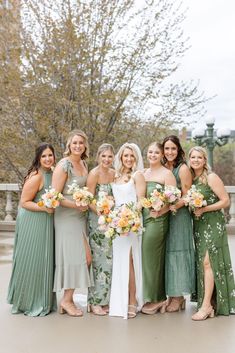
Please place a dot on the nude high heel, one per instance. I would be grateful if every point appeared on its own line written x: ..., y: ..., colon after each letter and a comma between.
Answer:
x: 70, y: 309
x: 176, y: 305
x: 96, y: 309
x: 204, y: 314
x: 161, y: 307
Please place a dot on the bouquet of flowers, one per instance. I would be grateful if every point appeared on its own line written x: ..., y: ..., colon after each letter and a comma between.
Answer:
x: 173, y: 194
x: 82, y: 196
x: 194, y: 199
x: 156, y: 200
x: 120, y: 221
x: 51, y: 198
x: 104, y: 203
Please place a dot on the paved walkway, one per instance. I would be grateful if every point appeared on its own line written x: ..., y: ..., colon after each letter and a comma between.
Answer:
x: 161, y: 333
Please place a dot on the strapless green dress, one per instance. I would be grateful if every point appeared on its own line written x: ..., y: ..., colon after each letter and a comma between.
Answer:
x: 153, y: 253
x: 101, y: 257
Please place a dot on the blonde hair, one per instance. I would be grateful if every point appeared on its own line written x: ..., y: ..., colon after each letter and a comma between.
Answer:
x: 118, y: 159
x: 73, y: 133
x: 102, y: 148
x: 206, y: 167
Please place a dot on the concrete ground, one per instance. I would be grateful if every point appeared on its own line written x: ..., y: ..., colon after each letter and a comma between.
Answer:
x: 161, y: 333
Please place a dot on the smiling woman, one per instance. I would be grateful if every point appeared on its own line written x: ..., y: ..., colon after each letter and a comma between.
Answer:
x: 31, y: 284
x: 99, y: 183
x: 215, y: 279
x: 72, y: 250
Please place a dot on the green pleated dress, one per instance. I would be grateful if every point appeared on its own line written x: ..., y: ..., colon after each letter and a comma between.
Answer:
x: 153, y: 253
x: 210, y: 235
x: 101, y: 257
x: 31, y: 284
x: 180, y: 259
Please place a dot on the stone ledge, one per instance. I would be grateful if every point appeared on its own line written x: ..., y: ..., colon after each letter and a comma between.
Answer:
x: 7, y: 226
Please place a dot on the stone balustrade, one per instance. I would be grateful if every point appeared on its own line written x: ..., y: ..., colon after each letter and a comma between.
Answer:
x: 9, y: 211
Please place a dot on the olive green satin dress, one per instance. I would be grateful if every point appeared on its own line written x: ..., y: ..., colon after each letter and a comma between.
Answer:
x: 153, y: 253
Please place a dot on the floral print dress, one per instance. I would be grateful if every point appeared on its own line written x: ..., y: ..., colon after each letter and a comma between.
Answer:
x: 210, y: 235
x: 101, y: 257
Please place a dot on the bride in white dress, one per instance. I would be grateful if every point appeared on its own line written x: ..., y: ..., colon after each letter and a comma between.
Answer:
x: 126, y: 289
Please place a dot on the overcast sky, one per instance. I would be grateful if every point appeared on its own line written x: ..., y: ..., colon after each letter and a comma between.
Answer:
x: 210, y: 24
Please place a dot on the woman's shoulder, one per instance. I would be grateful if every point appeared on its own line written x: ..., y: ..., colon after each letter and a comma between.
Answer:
x: 213, y: 178
x: 65, y: 164
x: 183, y: 167
x: 166, y: 172
x: 184, y: 170
x: 35, y: 177
x: 138, y: 174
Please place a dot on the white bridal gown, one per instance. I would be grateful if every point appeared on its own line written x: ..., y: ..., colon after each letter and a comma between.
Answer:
x: 125, y: 193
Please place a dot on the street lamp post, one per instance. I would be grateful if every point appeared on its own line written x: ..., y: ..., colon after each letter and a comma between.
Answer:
x: 208, y: 139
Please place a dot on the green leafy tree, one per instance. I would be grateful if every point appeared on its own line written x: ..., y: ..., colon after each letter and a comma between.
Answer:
x: 103, y: 66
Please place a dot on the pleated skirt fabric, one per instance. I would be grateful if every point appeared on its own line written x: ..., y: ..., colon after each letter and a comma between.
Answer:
x: 31, y: 284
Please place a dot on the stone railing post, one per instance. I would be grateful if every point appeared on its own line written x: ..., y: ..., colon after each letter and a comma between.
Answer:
x: 9, y: 189
x: 231, y: 224
x: 9, y: 207
x: 231, y: 190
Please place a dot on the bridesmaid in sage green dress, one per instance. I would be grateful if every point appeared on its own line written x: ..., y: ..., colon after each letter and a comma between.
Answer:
x: 31, y: 284
x: 215, y: 279
x: 154, y: 236
x: 72, y: 252
x: 99, y: 180
x: 180, y: 262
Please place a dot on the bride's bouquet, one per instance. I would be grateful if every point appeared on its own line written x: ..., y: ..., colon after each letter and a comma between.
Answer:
x: 51, y: 198
x: 157, y: 199
x: 194, y: 198
x: 104, y: 203
x: 121, y: 221
x: 81, y: 196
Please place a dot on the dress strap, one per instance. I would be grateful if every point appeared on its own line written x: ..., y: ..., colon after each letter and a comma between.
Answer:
x: 66, y: 165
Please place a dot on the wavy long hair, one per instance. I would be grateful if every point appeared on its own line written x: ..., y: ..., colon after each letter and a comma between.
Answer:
x: 119, y: 168
x: 180, y: 152
x: 36, y: 161
x: 71, y: 135
x: 206, y: 168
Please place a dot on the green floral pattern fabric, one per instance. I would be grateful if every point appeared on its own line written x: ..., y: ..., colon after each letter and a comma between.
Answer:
x: 101, y: 257
x: 210, y: 235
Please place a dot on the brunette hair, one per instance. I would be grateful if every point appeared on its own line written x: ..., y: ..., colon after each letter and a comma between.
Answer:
x: 180, y: 155
x: 73, y: 133
x: 206, y: 167
x: 36, y: 161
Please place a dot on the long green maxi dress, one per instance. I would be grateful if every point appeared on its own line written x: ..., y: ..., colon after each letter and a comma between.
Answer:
x: 180, y: 259
x: 101, y: 257
x: 31, y: 284
x: 71, y: 270
x: 210, y: 235
x: 153, y: 253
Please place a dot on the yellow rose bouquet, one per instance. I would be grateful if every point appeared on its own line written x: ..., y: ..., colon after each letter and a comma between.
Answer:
x: 51, y: 199
x: 104, y: 203
x: 194, y: 199
x: 81, y: 196
x: 120, y: 222
x: 157, y: 199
